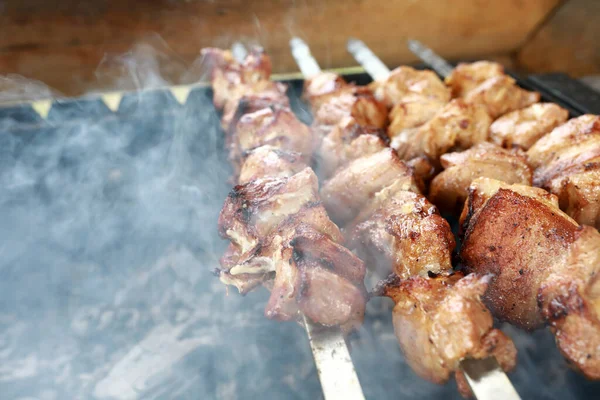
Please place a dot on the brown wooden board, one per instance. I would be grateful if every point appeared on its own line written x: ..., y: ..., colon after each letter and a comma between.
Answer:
x: 62, y: 44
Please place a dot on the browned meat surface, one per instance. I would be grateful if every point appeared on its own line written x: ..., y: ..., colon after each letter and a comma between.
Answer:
x: 403, y: 234
x: 232, y: 80
x: 346, y: 142
x: 282, y: 237
x: 467, y: 76
x: 411, y: 113
x: 406, y: 82
x: 321, y: 88
x: 274, y: 126
x: 522, y: 128
x: 544, y: 265
x: 501, y: 95
x: 567, y: 162
x: 450, y: 188
x: 356, y: 183
x: 270, y: 95
x: 272, y: 162
x: 456, y: 125
x: 440, y: 321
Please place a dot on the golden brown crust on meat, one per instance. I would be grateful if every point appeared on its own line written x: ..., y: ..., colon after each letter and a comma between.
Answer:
x: 457, y: 125
x: 569, y: 300
x: 567, y: 161
x: 467, y: 76
x: 405, y: 82
x: 282, y: 237
x: 516, y: 239
x: 501, y: 95
x: 406, y: 235
x: 450, y: 188
x: 522, y: 128
x: 274, y: 126
x: 270, y: 162
x: 440, y: 321
x: 354, y: 184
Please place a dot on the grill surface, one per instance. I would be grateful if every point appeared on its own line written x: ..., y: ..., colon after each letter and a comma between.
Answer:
x: 105, y: 271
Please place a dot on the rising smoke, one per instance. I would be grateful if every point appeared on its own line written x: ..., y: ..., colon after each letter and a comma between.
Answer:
x: 107, y: 243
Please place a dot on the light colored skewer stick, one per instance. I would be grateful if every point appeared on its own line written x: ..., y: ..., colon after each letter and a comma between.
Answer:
x: 306, y: 62
x: 337, y: 375
x: 239, y: 51
x: 369, y: 61
x: 486, y: 378
x: 429, y: 57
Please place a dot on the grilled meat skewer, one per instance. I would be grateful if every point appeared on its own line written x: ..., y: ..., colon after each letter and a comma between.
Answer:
x: 545, y: 266
x: 274, y: 220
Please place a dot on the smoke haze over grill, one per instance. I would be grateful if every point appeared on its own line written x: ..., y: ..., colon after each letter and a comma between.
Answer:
x: 107, y: 243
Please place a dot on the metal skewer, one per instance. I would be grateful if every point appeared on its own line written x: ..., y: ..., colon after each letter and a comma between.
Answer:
x: 337, y: 375
x: 485, y: 377
x: 429, y: 57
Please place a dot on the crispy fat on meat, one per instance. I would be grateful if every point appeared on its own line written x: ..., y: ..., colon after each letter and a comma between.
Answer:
x: 406, y: 82
x: 403, y: 234
x: 545, y: 269
x: 568, y: 161
x: 274, y: 126
x: 501, y: 95
x: 457, y: 125
x: 522, y: 128
x: 467, y: 76
x: 450, y: 188
x: 355, y: 184
x: 439, y: 321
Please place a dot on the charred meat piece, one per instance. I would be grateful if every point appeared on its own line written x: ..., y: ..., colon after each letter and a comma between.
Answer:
x: 281, y: 237
x: 439, y: 321
x: 407, y: 82
x: 355, y: 184
x: 501, y: 95
x: 522, y: 128
x: 545, y: 268
x: 270, y: 162
x: 457, y: 125
x: 567, y: 161
x: 246, y: 103
x: 274, y: 126
x: 467, y: 76
x: 403, y: 234
x: 450, y: 188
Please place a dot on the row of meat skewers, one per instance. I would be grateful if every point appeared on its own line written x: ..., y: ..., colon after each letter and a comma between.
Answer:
x: 476, y: 138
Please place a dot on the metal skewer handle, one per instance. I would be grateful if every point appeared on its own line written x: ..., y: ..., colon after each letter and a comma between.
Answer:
x: 369, y: 61
x: 487, y: 380
x: 306, y: 62
x: 429, y: 57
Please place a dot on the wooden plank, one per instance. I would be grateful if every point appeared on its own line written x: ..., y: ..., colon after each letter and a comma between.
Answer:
x: 568, y: 42
x: 63, y: 44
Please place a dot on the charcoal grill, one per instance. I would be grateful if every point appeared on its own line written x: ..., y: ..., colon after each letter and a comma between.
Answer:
x: 140, y: 315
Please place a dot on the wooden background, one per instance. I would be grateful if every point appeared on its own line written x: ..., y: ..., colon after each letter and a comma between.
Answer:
x: 63, y: 44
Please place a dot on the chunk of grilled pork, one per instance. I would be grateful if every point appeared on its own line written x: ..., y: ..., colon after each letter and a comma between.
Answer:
x: 545, y: 266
